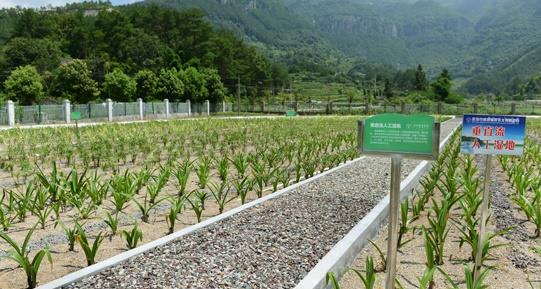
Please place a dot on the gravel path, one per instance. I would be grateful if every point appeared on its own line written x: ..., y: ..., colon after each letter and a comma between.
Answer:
x: 272, y: 245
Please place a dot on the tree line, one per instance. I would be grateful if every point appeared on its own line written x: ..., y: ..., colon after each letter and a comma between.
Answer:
x: 409, y: 85
x: 91, y: 53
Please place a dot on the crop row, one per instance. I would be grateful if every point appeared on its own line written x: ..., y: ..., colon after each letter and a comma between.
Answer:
x: 157, y: 169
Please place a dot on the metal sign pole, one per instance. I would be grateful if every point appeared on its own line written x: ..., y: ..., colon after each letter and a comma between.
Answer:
x: 392, y: 246
x: 483, y: 219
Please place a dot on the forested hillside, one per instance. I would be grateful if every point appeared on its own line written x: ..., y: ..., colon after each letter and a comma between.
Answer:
x: 86, y: 52
x: 268, y: 24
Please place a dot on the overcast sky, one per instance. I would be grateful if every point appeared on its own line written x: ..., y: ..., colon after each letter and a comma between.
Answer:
x: 40, y: 3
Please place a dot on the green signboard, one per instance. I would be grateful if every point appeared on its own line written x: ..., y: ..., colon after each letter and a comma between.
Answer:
x: 291, y: 113
x: 400, y: 134
x: 76, y: 115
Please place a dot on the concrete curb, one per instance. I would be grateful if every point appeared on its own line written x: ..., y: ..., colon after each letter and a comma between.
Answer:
x: 346, y: 250
x: 98, y: 267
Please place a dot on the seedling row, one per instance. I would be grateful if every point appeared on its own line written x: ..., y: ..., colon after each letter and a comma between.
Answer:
x: 74, y: 198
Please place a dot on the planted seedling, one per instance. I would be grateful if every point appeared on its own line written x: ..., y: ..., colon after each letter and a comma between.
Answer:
x: 383, y: 265
x: 146, y: 206
x: 405, y: 222
x: 221, y: 194
x: 203, y: 172
x: 369, y: 278
x: 438, y: 229
x: 427, y: 280
x: 471, y: 283
x: 6, y: 220
x: 53, y: 183
x: 182, y: 173
x: 112, y: 222
x: 197, y: 208
x: 242, y: 186
x: 133, y: 236
x: 240, y: 161
x: 331, y: 279
x: 89, y: 250
x: 71, y: 235
x: 20, y: 254
x: 176, y: 207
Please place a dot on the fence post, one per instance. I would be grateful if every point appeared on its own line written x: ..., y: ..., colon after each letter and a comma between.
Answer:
x: 263, y: 107
x: 189, y: 105
x: 223, y: 106
x: 475, y: 108
x: 207, y: 107
x: 67, y: 111
x: 439, y: 107
x: 40, y: 115
x: 141, y: 108
x: 513, y: 108
x: 11, y: 113
x: 366, y: 108
x: 109, y: 109
x: 403, y: 108
x: 166, y: 103
x: 297, y: 106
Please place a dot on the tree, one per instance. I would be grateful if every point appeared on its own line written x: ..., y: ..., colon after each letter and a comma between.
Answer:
x: 146, y: 83
x: 421, y: 83
x: 25, y: 85
x: 44, y: 54
x: 405, y: 80
x: 388, y: 90
x: 442, y: 86
x: 170, y: 85
x: 214, y: 85
x: 72, y: 80
x: 533, y: 87
x: 119, y: 86
x: 194, y: 85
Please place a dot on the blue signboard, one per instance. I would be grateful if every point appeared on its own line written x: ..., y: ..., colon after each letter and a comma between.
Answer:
x: 493, y: 134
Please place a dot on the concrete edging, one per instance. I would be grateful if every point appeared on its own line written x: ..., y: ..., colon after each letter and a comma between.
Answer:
x: 346, y: 250
x: 103, y: 265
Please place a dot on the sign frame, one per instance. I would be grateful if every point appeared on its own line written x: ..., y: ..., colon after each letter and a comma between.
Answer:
x: 436, y: 129
x: 75, y: 115
x: 291, y: 113
x: 498, y: 129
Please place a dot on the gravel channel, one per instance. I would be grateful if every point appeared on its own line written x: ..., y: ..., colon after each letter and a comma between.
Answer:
x: 272, y: 245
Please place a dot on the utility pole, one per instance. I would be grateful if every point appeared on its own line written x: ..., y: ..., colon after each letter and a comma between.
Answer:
x: 238, y: 95
x: 375, y: 86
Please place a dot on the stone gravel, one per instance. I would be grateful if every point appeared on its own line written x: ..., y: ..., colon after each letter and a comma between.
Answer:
x: 272, y: 245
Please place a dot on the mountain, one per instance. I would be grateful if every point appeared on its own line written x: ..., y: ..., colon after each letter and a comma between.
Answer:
x: 487, y: 45
x: 270, y: 25
x: 507, y: 45
x: 484, y: 43
x: 401, y: 34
